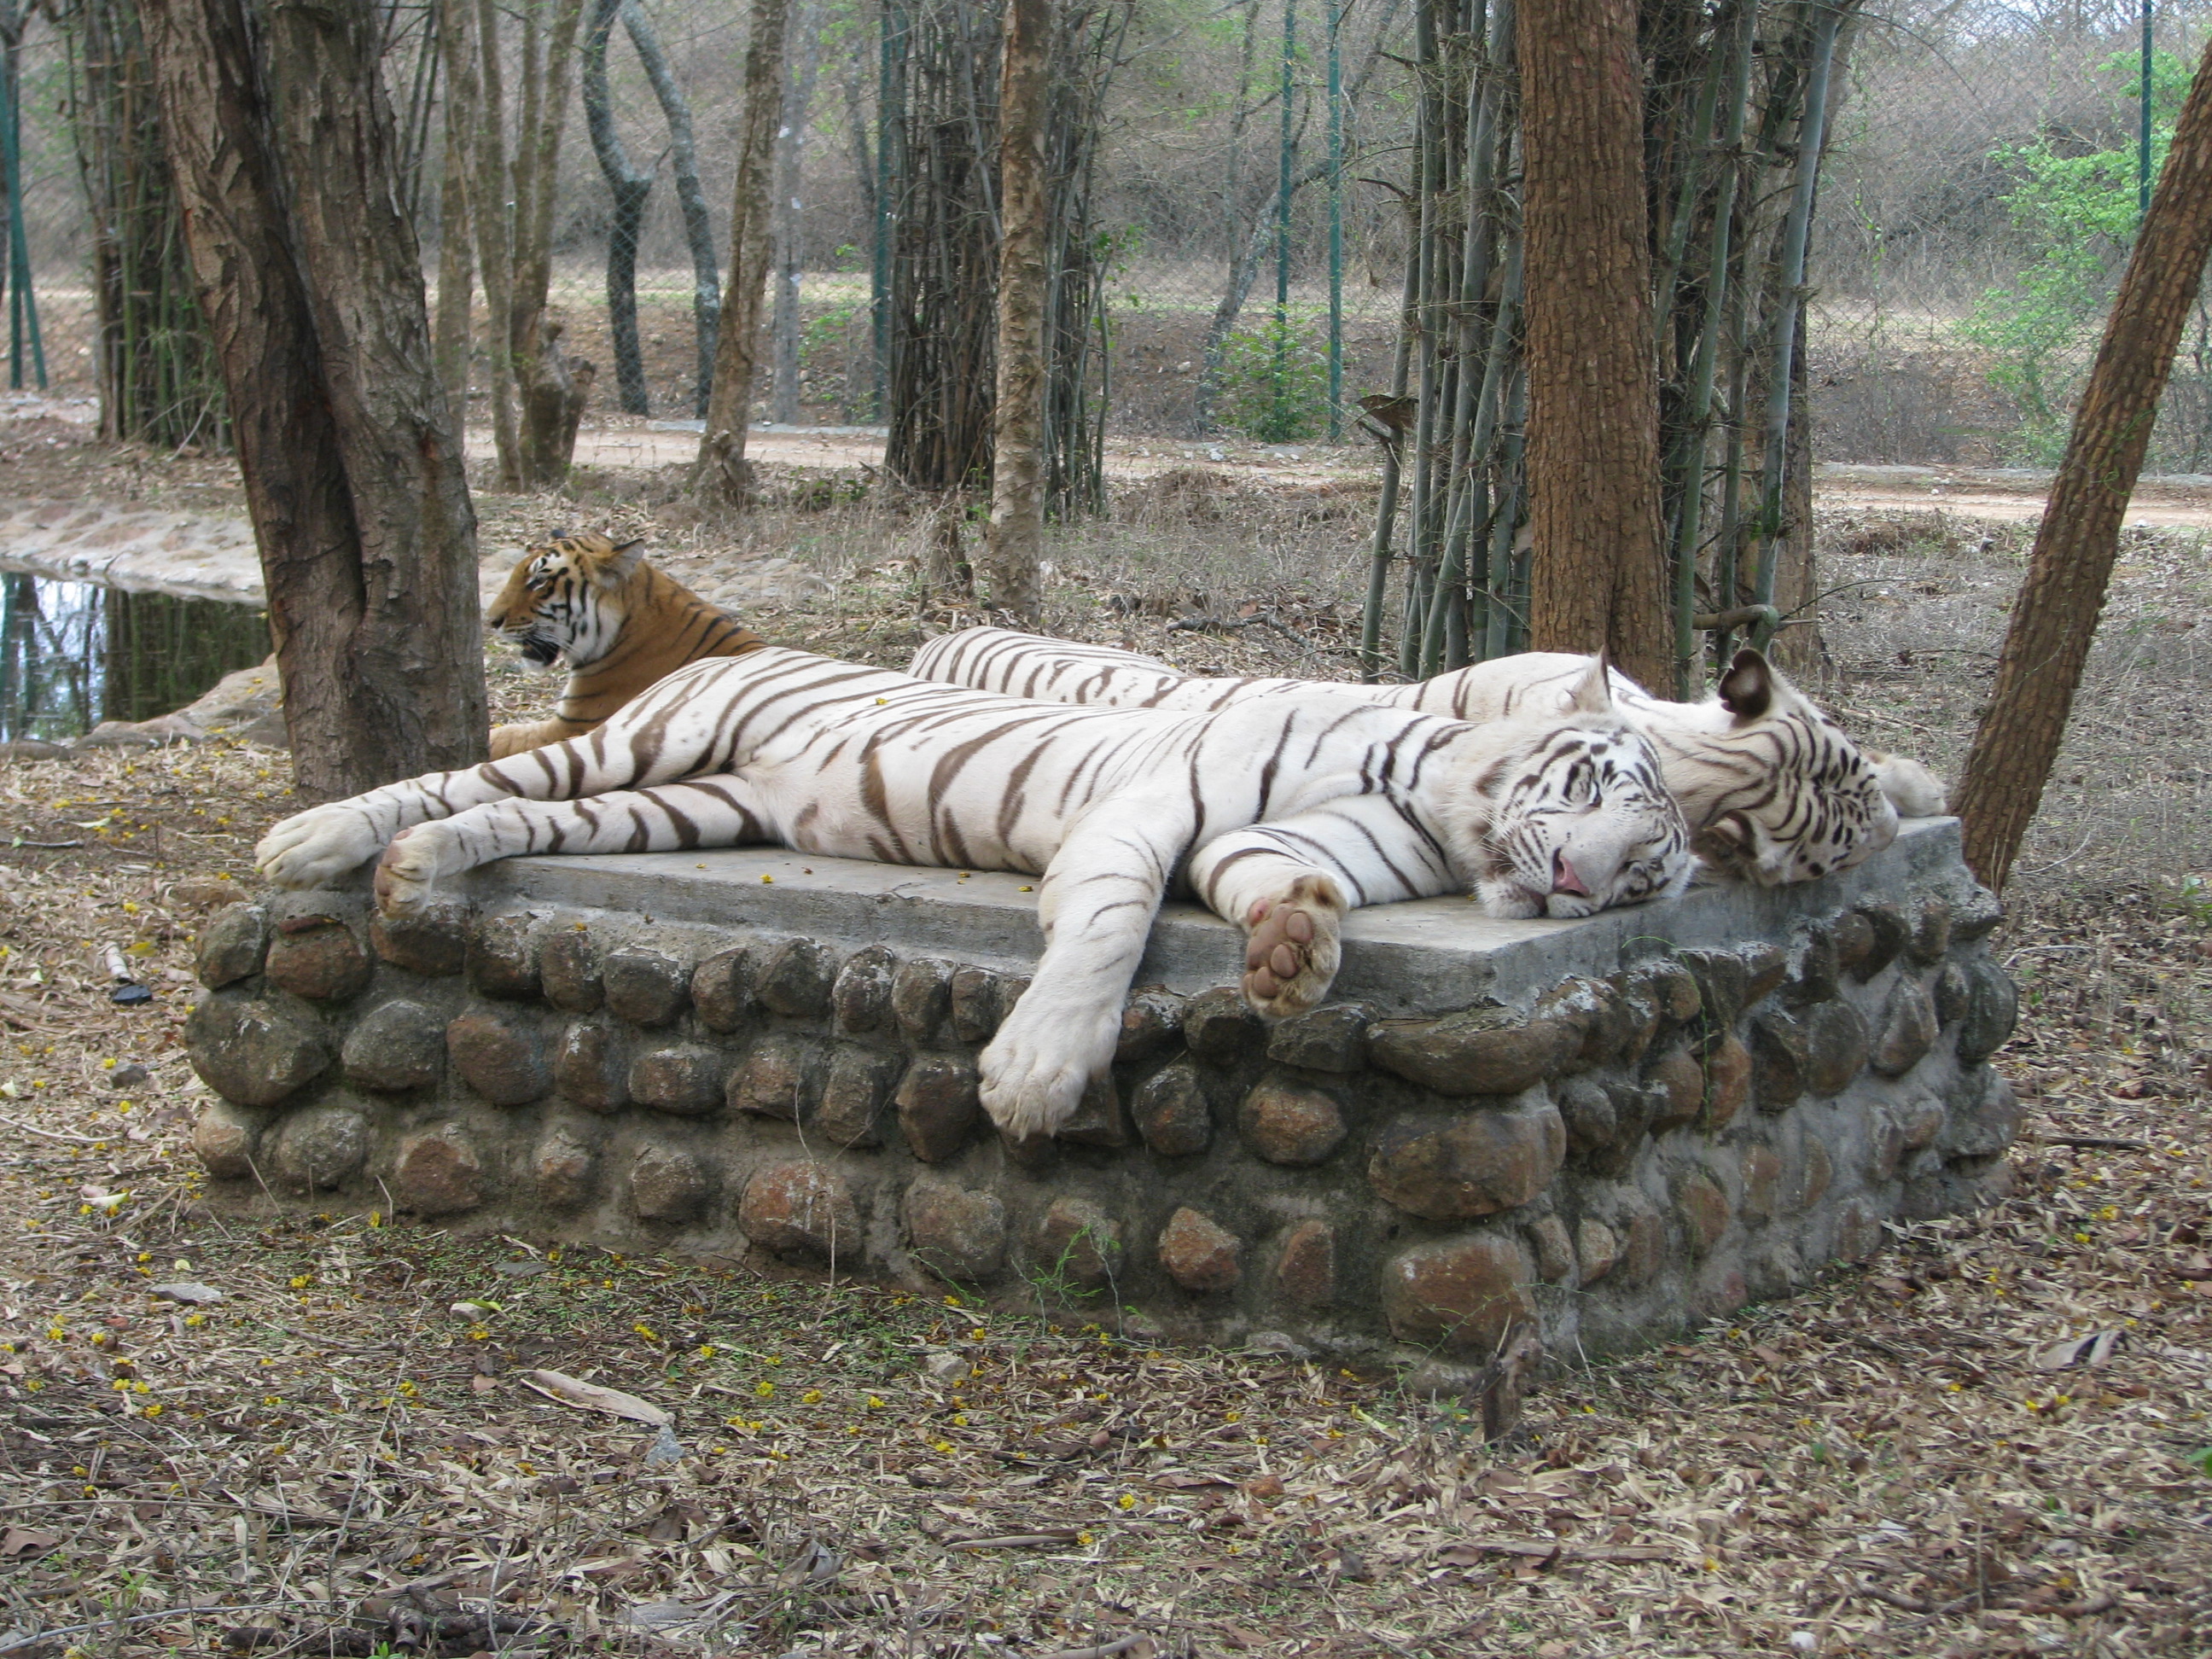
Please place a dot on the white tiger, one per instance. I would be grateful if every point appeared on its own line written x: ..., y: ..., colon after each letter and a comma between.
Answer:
x: 1773, y: 790
x: 1278, y: 814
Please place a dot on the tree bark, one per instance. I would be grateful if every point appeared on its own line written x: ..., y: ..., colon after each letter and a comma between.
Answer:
x: 1013, y: 540
x: 554, y: 388
x: 2054, y: 620
x: 630, y: 187
x: 683, y: 163
x: 309, y: 275
x: 494, y: 217
x: 721, y: 473
x: 789, y: 217
x: 1599, y: 579
x: 456, y: 268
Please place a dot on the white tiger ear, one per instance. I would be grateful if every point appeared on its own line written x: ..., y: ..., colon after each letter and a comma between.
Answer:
x: 1593, y: 693
x: 1747, y: 689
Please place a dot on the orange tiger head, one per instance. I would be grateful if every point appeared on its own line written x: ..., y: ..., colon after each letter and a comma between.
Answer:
x: 564, y: 602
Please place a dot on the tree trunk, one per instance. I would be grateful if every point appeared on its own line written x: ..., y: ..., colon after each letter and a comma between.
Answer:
x: 456, y: 269
x: 554, y: 387
x: 1013, y: 541
x: 1797, y: 650
x: 2054, y: 620
x: 494, y: 216
x: 630, y: 188
x: 683, y: 163
x: 1599, y: 574
x: 310, y: 279
x: 721, y: 473
x: 790, y: 219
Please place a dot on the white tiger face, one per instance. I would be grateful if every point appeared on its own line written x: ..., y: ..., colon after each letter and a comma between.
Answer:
x: 1577, y: 819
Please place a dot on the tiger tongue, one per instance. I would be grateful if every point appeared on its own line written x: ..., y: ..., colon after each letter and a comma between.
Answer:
x: 1563, y: 877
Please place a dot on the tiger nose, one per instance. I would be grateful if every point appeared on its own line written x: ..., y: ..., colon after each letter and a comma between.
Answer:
x: 1564, y: 877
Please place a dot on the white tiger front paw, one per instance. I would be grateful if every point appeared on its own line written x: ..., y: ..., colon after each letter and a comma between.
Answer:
x: 1507, y: 900
x: 1035, y: 1072
x: 314, y: 848
x: 411, y: 867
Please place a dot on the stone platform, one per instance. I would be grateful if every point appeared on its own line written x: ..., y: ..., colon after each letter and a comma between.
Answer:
x: 1618, y: 1126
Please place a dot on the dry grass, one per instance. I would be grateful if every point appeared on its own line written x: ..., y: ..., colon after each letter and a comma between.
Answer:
x: 338, y: 1454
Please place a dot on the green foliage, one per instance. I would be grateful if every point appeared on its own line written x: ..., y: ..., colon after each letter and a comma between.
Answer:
x: 2080, y: 208
x: 1274, y: 383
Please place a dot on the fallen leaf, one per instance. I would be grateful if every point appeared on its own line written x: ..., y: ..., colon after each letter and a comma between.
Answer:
x: 591, y: 1397
x: 23, y: 1541
x: 191, y: 1294
x: 2092, y: 1350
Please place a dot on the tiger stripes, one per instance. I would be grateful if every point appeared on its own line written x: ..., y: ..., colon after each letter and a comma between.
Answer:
x: 1773, y: 790
x: 618, y: 624
x: 1278, y: 813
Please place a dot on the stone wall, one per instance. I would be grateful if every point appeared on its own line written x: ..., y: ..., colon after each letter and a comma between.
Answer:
x: 1619, y: 1126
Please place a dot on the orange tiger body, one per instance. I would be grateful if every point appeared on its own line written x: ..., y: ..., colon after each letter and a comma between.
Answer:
x: 614, y: 621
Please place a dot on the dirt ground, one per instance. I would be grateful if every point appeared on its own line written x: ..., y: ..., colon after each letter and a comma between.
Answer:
x: 343, y: 1454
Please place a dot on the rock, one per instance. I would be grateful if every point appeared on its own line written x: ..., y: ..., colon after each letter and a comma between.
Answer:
x: 591, y: 1067
x: 1723, y: 984
x: 1482, y: 1051
x: 502, y: 957
x: 1171, y: 1111
x: 1985, y: 1114
x: 938, y: 1106
x: 1455, y: 1167
x: 1077, y: 1241
x: 231, y: 944
x: 1624, y: 1036
x: 1781, y: 1058
x: 317, y: 957
x: 1151, y: 1020
x: 1950, y: 994
x: 1836, y: 1047
x: 1704, y: 1208
x: 501, y: 1060
x: 1822, y: 960
x: 1931, y: 933
x: 1726, y: 1083
x: 685, y: 1080
x: 854, y: 1091
x: 921, y: 998
x: 1596, y: 1251
x: 432, y: 941
x: 1587, y: 1110
x: 722, y: 989
x: 566, y: 1169
x: 1330, y: 1038
x: 667, y: 1184
x: 1555, y: 1250
x: 569, y: 971
x: 802, y: 1210
x: 1678, y: 1084
x: 1200, y: 1255
x: 1886, y: 1150
x: 977, y: 1000
x: 1643, y: 1238
x: 1908, y: 1029
x: 796, y: 979
x: 1762, y: 1180
x: 957, y: 1234
x: 1722, y: 1290
x: 1286, y: 1123
x: 1098, y: 1119
x: 644, y: 987
x: 399, y: 1045
x: 33, y: 749
x: 437, y: 1173
x: 1810, y: 1177
x: 860, y: 996
x: 1220, y: 1028
x: 772, y: 1083
x: 1992, y: 1007
x: 1919, y: 1119
x: 212, y: 894
x: 319, y: 1146
x: 1765, y: 967
x: 1858, y: 1233
x: 1634, y: 1108
x: 223, y: 1141
x: 1671, y: 987
x: 1974, y: 914
x: 1305, y: 1268
x: 1887, y: 930
x: 254, y: 1051
x: 1457, y: 1294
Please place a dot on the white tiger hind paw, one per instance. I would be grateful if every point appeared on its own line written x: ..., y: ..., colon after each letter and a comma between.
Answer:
x: 314, y: 848
x: 1292, y: 951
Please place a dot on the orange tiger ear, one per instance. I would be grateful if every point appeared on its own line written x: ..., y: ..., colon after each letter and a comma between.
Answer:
x: 621, y: 563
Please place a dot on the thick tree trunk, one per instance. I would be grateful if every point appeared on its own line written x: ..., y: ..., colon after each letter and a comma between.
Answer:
x: 790, y: 217
x: 309, y: 277
x: 1013, y: 541
x: 1599, y: 579
x: 721, y: 473
x: 456, y: 268
x: 2054, y: 620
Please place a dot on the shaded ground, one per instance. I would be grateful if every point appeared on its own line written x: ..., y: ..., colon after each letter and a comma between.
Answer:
x: 343, y: 1450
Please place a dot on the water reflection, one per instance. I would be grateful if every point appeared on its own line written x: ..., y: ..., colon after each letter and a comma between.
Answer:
x: 73, y: 654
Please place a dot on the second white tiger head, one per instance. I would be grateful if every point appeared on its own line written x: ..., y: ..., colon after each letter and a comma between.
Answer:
x: 1569, y: 816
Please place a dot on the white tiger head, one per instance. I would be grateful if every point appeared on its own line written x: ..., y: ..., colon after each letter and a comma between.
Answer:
x: 1568, y: 815
x: 1776, y: 790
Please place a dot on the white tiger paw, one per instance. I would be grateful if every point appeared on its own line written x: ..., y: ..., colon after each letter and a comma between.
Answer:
x: 1507, y: 900
x: 1035, y: 1072
x: 314, y: 848
x: 411, y: 867
x: 1292, y: 951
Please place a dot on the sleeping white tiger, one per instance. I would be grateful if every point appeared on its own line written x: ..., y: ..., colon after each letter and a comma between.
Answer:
x: 1280, y: 814
x: 1774, y: 792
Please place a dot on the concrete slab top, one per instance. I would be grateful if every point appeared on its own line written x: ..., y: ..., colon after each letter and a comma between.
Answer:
x: 1424, y: 955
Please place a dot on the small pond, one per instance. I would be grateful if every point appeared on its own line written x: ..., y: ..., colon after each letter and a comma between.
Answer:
x: 73, y: 654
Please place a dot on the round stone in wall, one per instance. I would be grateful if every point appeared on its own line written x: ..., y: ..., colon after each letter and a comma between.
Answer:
x: 1199, y: 1254
x: 501, y: 1060
x: 667, y: 1184
x: 399, y: 1045
x: 1458, y: 1294
x: 958, y: 1234
x: 319, y: 1146
x: 1171, y: 1113
x: 317, y: 957
x: 255, y: 1051
x: 1285, y: 1123
x: 1077, y: 1238
x: 231, y: 944
x: 223, y: 1140
x: 802, y: 1210
x: 1458, y: 1166
x: 438, y: 1173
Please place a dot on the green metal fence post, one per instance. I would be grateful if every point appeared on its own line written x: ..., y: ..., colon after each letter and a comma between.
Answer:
x: 1336, y: 223
x: 1283, y: 208
x: 22, y: 304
